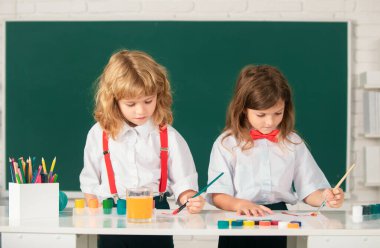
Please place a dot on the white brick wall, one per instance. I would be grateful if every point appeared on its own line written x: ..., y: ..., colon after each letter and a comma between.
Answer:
x: 364, y: 14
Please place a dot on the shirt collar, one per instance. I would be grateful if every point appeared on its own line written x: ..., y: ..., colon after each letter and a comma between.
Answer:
x: 142, y: 130
x: 145, y: 129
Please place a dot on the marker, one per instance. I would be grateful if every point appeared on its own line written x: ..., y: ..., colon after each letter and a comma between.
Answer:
x: 197, y: 194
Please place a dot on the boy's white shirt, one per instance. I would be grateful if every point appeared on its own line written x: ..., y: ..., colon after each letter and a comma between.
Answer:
x: 264, y: 173
x: 135, y: 158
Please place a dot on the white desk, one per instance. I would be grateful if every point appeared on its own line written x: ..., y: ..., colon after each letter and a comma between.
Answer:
x: 71, y: 230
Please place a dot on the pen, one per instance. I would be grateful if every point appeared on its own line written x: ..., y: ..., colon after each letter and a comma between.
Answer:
x: 337, y: 186
x: 197, y: 194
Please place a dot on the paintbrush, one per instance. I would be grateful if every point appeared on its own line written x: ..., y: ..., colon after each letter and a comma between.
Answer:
x: 197, y: 194
x: 336, y: 186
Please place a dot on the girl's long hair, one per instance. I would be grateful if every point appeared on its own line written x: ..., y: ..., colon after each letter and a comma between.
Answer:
x: 258, y: 87
x: 131, y: 74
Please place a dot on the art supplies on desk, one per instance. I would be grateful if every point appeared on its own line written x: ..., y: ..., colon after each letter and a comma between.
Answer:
x: 365, y: 212
x: 197, y: 194
x: 33, y: 193
x: 22, y: 172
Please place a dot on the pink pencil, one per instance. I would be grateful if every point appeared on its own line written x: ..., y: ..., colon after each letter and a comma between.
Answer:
x: 38, y: 174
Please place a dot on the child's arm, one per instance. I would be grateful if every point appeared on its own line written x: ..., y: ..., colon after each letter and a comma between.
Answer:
x: 88, y: 197
x: 334, y: 198
x: 241, y: 206
x: 195, y: 205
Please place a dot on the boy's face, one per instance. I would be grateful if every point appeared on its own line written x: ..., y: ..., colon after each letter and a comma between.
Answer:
x: 267, y: 120
x: 138, y: 110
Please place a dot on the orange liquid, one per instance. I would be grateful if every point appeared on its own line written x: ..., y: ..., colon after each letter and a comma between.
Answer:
x: 139, y: 208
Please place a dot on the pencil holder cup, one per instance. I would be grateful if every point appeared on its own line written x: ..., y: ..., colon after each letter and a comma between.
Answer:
x: 34, y: 200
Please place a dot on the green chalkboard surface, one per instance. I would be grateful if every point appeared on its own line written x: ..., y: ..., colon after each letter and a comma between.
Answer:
x: 51, y: 67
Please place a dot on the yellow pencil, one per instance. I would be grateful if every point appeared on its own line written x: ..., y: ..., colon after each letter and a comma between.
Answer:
x: 44, y: 165
x: 52, y: 165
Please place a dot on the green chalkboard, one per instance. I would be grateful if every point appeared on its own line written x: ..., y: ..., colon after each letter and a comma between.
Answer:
x: 51, y: 67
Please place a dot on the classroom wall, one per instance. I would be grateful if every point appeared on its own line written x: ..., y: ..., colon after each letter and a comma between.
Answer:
x: 365, y: 47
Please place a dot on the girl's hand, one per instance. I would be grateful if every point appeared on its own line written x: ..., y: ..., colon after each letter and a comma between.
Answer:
x: 244, y: 207
x: 195, y: 205
x: 334, y: 197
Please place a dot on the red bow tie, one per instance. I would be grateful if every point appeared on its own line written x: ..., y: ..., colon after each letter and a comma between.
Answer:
x: 270, y: 136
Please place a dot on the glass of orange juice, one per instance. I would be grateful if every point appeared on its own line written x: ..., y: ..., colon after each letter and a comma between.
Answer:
x: 140, y: 204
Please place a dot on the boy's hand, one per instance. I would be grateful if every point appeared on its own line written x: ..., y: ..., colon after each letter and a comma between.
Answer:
x: 248, y: 208
x: 334, y: 197
x: 195, y: 205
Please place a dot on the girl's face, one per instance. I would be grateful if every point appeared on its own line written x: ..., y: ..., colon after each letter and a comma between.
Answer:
x: 265, y: 121
x: 138, y: 110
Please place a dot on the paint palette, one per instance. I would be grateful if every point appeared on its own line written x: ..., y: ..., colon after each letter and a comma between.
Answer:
x: 241, y: 223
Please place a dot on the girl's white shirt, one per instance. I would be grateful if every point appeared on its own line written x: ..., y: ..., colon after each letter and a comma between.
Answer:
x: 264, y: 174
x: 135, y: 158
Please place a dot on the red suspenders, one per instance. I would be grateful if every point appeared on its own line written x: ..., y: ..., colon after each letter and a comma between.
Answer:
x: 164, y: 159
x: 111, y: 176
x: 163, y: 156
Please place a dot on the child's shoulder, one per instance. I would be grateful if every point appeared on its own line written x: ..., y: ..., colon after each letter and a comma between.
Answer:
x: 226, y: 139
x: 95, y: 129
x: 294, y: 138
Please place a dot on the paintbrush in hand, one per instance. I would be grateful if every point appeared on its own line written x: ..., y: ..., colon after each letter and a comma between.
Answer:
x: 197, y: 194
x: 336, y: 186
